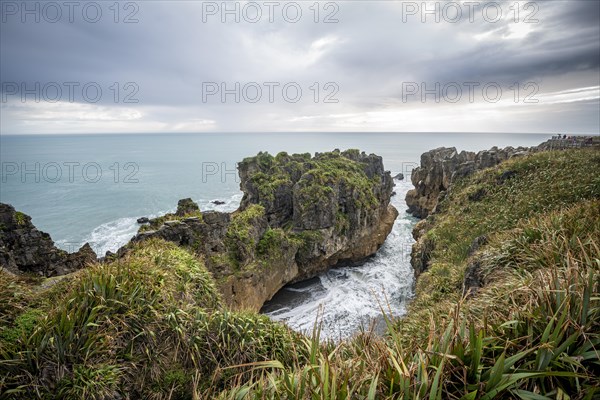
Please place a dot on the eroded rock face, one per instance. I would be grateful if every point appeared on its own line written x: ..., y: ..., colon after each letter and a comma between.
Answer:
x: 442, y: 166
x: 433, y: 179
x: 299, y: 216
x: 25, y: 249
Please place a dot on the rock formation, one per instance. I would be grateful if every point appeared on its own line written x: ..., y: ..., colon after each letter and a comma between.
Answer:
x: 25, y: 249
x: 299, y: 216
x: 440, y: 167
x: 438, y: 170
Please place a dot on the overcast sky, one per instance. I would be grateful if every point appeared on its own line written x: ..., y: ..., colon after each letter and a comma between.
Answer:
x: 296, y: 66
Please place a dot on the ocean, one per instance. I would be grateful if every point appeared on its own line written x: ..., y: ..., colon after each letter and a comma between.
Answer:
x: 92, y: 188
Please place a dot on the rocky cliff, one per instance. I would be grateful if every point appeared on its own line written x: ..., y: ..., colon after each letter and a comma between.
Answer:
x: 440, y: 167
x: 25, y: 249
x: 299, y: 216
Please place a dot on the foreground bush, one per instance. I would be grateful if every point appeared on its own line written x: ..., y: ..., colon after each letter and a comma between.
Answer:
x: 148, y: 326
x: 546, y: 349
x: 152, y: 325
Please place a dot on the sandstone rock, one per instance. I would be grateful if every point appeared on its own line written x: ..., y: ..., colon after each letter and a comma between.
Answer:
x: 421, y: 254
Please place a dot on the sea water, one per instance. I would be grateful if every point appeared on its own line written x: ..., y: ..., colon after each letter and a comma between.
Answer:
x: 92, y: 188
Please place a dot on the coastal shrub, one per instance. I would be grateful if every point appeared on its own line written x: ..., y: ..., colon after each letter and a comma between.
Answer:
x: 275, y: 244
x: 21, y: 218
x: 539, y: 185
x: 157, y: 222
x: 244, y: 232
x: 143, y: 325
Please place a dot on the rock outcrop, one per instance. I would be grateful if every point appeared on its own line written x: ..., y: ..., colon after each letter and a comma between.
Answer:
x: 186, y: 207
x: 299, y: 216
x: 438, y: 170
x: 442, y: 166
x: 25, y: 249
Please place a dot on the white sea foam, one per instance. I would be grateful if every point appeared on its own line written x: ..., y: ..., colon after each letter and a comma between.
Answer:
x: 112, y: 235
x: 347, y: 299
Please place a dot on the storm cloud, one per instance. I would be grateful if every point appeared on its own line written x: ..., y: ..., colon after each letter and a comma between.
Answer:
x: 191, y: 66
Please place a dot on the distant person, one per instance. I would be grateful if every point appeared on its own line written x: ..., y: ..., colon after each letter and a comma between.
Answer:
x: 564, y: 136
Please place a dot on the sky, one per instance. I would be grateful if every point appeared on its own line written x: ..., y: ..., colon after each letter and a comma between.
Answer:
x: 401, y: 66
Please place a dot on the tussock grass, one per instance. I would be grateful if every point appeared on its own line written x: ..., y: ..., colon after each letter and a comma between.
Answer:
x: 153, y: 326
x: 144, y: 327
x: 546, y: 347
x: 539, y: 185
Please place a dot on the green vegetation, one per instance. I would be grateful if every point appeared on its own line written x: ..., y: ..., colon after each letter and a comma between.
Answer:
x: 335, y: 169
x: 153, y: 326
x: 20, y: 218
x: 516, y: 193
x: 318, y: 178
x: 244, y: 232
x: 275, y: 172
x: 156, y: 223
x: 274, y: 245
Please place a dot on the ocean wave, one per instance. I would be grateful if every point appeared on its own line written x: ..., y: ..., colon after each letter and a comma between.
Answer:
x: 112, y: 235
x: 346, y: 300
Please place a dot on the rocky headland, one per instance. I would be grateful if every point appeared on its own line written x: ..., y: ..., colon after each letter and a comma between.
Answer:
x: 440, y: 167
x: 299, y: 216
x: 25, y: 249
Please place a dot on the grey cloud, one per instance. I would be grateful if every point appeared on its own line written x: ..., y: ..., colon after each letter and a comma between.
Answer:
x: 171, y: 52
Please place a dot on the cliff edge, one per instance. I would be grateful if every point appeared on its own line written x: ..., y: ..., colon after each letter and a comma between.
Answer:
x: 299, y: 216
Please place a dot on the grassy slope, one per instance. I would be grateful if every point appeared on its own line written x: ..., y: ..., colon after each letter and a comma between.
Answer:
x: 150, y: 326
x: 531, y: 332
x: 153, y: 326
x: 501, y: 209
